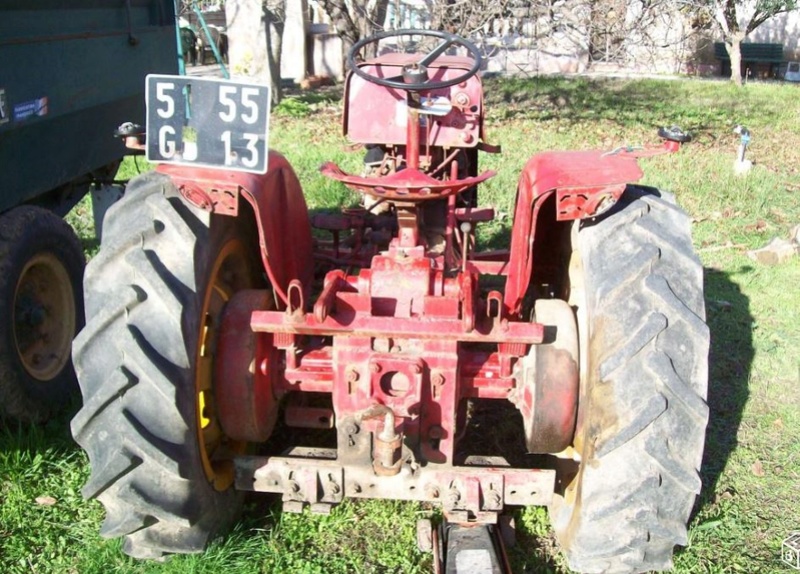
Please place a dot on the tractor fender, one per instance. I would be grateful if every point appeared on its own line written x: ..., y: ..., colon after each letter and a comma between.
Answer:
x: 585, y: 184
x: 284, y: 230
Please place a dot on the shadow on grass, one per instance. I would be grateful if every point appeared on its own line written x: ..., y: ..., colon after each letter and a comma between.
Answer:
x: 28, y: 440
x: 731, y: 356
x: 698, y: 107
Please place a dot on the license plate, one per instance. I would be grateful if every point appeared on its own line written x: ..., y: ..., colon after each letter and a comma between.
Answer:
x: 207, y: 123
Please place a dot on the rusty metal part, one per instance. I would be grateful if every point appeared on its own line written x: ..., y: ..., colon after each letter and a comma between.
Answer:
x: 399, y: 327
x: 425, y: 535
x: 387, y: 443
x: 546, y: 393
x: 246, y: 404
x: 315, y: 470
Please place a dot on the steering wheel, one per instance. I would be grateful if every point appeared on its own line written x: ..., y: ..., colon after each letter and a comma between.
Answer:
x: 414, y: 76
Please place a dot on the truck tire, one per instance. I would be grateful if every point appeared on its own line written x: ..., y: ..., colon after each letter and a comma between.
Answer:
x: 41, y: 310
x: 154, y: 295
x: 638, y: 287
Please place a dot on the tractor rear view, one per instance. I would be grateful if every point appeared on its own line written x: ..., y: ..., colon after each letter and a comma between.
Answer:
x: 217, y: 321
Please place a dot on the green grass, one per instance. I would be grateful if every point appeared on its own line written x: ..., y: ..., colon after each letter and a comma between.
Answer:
x: 751, y: 468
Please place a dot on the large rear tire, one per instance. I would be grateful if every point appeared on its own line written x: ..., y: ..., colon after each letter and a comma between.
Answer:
x: 638, y: 287
x: 41, y: 310
x: 154, y: 297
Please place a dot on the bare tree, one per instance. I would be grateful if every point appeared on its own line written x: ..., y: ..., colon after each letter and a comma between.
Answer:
x: 735, y: 19
x: 525, y: 33
x: 467, y: 17
x: 356, y: 19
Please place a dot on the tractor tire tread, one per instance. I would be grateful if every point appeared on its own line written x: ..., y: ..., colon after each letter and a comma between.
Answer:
x: 646, y: 415
x: 142, y: 295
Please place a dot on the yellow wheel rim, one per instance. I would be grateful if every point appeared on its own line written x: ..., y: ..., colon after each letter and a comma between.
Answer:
x: 44, y: 316
x: 231, y: 272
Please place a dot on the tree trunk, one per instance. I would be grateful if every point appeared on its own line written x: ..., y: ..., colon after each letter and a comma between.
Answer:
x: 734, y: 46
x: 256, y: 41
x: 274, y: 26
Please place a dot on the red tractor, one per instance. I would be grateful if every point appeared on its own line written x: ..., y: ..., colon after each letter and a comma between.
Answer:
x: 217, y: 320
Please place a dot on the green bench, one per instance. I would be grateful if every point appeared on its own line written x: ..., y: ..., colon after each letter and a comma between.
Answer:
x: 754, y: 55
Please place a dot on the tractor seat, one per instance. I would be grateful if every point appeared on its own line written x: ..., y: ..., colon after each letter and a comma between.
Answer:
x: 409, y: 185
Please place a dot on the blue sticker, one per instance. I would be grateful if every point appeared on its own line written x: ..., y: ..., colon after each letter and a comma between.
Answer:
x: 37, y: 107
x: 3, y: 107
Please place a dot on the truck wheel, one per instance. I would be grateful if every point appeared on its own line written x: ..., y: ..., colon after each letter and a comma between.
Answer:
x: 41, y: 309
x: 638, y: 288
x: 161, y: 466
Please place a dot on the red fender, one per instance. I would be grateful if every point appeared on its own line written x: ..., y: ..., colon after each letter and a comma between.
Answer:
x: 585, y: 183
x: 280, y: 209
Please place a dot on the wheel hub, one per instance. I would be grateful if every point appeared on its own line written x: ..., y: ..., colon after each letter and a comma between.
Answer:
x: 44, y: 317
x: 230, y: 273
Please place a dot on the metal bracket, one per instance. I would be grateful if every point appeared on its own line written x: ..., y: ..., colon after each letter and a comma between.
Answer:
x: 467, y: 493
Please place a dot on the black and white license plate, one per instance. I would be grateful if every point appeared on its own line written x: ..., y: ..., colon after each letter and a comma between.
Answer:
x: 207, y: 122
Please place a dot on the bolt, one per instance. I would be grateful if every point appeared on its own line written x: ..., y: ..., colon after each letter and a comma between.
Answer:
x: 432, y: 491
x: 435, y: 432
x: 462, y: 99
x: 294, y: 488
x: 352, y: 376
x: 375, y: 368
x: 438, y: 379
x: 493, y: 499
x: 356, y: 488
x: 416, y: 368
x: 334, y: 488
x: 351, y: 428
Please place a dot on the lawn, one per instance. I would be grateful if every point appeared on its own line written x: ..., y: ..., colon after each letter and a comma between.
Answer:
x: 751, y: 469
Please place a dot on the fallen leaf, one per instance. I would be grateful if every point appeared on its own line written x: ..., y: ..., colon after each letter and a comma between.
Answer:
x: 727, y: 495
x: 778, y: 215
x: 45, y: 500
x: 759, y: 226
x: 778, y: 424
x: 757, y: 468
